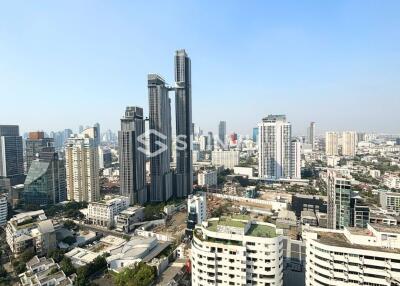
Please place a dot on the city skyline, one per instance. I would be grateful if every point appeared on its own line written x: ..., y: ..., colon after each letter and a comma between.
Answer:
x: 303, y: 60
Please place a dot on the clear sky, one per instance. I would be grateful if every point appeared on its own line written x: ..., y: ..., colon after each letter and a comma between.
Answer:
x: 66, y: 63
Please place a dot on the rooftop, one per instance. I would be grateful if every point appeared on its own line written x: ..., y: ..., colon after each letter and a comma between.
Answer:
x: 239, y: 221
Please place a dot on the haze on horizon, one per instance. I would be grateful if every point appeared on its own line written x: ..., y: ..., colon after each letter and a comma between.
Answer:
x: 70, y: 63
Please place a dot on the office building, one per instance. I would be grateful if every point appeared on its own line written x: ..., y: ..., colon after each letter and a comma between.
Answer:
x: 45, y: 183
x: 311, y: 135
x: 222, y: 134
x: 230, y: 251
x: 295, y: 160
x: 349, y: 142
x: 105, y: 157
x: 104, y: 212
x: 228, y: 159
x: 275, y: 147
x: 255, y: 135
x: 31, y: 231
x: 82, y: 166
x: 34, y: 145
x: 207, y: 178
x: 11, y: 154
x: 352, y: 256
x: 132, y: 157
x: 160, y: 139
x: 183, y: 119
x: 331, y: 144
x: 3, y: 210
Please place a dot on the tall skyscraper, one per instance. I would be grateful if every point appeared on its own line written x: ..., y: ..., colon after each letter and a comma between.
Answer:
x: 331, y: 144
x: 82, y: 166
x: 210, y: 141
x: 296, y: 159
x: 97, y: 125
x: 34, y: 145
x: 11, y: 154
x: 349, y: 142
x: 255, y: 135
x: 275, y: 147
x: 132, y: 161
x: 160, y: 134
x: 311, y: 135
x: 45, y: 183
x: 222, y: 134
x: 183, y: 109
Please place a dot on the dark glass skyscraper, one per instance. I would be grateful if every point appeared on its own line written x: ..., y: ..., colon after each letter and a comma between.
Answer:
x: 183, y: 109
x: 11, y: 154
x: 160, y: 139
x: 132, y: 158
x: 34, y: 145
x: 45, y: 183
x: 222, y: 134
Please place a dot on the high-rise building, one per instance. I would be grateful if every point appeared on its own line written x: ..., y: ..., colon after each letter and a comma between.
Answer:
x: 203, y: 144
x: 160, y: 139
x: 255, y: 135
x: 132, y: 158
x: 11, y: 154
x: 230, y: 251
x: 349, y: 141
x: 311, y: 135
x: 210, y: 141
x: 34, y: 145
x: 183, y: 109
x: 339, y: 195
x: 295, y: 161
x: 275, y: 147
x: 331, y: 144
x: 97, y: 125
x: 345, y: 207
x: 82, y: 166
x: 45, y: 183
x: 3, y: 210
x: 222, y: 134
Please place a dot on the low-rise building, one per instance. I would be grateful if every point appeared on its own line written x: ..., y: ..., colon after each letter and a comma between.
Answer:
x: 30, y: 230
x: 126, y: 219
x: 207, y: 178
x: 44, y: 272
x: 392, y: 181
x: 353, y: 256
x: 309, y: 217
x: 234, y: 251
x: 103, y: 213
x: 390, y: 201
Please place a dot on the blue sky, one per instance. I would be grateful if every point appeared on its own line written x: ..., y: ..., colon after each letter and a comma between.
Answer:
x: 66, y: 63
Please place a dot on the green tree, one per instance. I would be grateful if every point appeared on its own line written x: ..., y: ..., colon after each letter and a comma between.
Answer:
x: 67, y: 267
x: 57, y: 255
x: 141, y: 275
